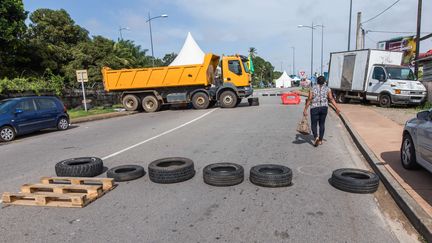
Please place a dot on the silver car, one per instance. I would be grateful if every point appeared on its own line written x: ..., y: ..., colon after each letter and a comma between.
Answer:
x: 416, y: 146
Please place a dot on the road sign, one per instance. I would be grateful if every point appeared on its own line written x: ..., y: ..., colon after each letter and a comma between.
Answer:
x: 302, y: 74
x: 82, y: 75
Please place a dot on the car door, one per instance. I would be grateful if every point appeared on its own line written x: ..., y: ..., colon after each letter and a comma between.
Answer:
x: 375, y: 85
x: 424, y: 138
x: 25, y: 117
x: 47, y: 111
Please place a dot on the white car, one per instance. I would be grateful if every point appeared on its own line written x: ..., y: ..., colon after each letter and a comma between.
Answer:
x: 416, y: 146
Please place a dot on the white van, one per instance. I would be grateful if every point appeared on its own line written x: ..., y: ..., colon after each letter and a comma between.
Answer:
x: 374, y: 75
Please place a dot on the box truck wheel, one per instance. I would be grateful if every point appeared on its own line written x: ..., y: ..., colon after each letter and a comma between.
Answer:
x: 228, y: 99
x: 200, y: 100
x: 385, y: 100
x: 340, y: 98
x: 151, y: 104
x: 131, y: 102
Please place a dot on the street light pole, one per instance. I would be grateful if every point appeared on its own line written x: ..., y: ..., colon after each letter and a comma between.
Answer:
x: 294, y: 73
x: 312, y: 27
x: 151, y: 36
x: 349, y: 27
x: 120, y: 30
x: 322, y: 44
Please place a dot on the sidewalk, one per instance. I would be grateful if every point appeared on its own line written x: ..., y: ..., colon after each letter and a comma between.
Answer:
x: 384, y: 137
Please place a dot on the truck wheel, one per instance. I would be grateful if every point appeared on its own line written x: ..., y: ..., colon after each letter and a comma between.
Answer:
x: 239, y: 100
x: 228, y: 99
x: 212, y: 103
x: 200, y: 100
x: 385, y: 100
x: 131, y: 102
x: 342, y: 99
x: 151, y: 104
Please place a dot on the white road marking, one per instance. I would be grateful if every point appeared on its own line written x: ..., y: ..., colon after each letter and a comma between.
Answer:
x: 157, y: 136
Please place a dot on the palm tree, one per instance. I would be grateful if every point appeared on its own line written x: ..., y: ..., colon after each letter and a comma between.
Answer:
x: 252, y: 51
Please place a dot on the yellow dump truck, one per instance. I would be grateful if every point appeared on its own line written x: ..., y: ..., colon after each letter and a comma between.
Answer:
x: 201, y: 84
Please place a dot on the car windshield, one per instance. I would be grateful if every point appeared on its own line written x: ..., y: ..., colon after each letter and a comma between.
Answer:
x: 5, y: 105
x: 400, y: 73
x: 245, y: 65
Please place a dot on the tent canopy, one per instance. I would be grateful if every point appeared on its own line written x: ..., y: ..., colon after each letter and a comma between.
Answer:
x: 284, y: 81
x: 190, y: 53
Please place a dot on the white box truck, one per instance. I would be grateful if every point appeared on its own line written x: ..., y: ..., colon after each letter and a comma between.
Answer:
x: 373, y: 75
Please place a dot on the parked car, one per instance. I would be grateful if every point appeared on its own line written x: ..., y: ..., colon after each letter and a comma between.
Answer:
x: 416, y: 146
x: 29, y: 114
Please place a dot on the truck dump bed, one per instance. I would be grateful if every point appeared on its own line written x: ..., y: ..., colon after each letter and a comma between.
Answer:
x: 161, y: 77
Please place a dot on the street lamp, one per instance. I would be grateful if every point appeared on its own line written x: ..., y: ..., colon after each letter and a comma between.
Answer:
x: 322, y: 44
x: 293, y: 67
x: 151, y: 37
x: 312, y: 27
x: 120, y: 30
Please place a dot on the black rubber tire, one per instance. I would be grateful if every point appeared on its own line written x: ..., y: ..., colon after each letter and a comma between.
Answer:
x: 62, y: 124
x: 270, y: 175
x: 354, y: 180
x: 264, y: 94
x: 171, y: 170
x: 79, y: 167
x: 7, y: 134
x: 228, y: 99
x: 200, y: 100
x: 239, y: 100
x: 407, y: 153
x: 126, y: 172
x: 253, y: 101
x: 131, y: 102
x: 385, y: 100
x: 151, y: 104
x: 340, y: 98
x: 223, y: 174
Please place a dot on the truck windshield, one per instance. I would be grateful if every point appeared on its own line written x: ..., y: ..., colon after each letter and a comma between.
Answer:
x: 400, y: 73
x: 5, y: 106
x: 245, y: 65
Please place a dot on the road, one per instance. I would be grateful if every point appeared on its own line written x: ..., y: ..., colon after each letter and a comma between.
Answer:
x: 309, y: 211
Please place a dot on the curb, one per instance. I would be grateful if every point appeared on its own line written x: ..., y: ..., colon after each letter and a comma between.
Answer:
x: 416, y: 215
x: 101, y: 116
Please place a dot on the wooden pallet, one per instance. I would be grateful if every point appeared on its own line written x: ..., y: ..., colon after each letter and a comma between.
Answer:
x: 60, y: 192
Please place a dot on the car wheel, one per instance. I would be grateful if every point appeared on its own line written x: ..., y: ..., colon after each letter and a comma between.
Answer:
x: 7, y: 134
x: 223, y: 174
x: 407, y: 153
x: 385, y: 100
x: 126, y: 172
x: 354, y: 180
x: 171, y: 170
x: 270, y: 175
x: 62, y: 123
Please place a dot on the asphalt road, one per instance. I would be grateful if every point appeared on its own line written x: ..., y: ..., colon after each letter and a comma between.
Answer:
x: 142, y: 211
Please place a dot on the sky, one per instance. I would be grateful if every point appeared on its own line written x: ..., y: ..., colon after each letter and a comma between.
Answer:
x: 232, y: 26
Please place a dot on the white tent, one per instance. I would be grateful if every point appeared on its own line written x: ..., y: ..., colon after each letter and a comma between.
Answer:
x: 190, y: 53
x: 284, y: 81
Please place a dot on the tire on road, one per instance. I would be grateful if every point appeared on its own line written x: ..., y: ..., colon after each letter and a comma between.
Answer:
x: 407, y: 153
x: 239, y: 100
x: 200, y: 100
x: 126, y: 172
x: 131, y: 102
x: 171, y: 170
x: 253, y: 101
x: 151, y: 104
x: 79, y: 167
x: 7, y: 134
x: 385, y: 100
x: 271, y: 175
x: 62, y: 123
x: 354, y: 180
x: 228, y: 99
x: 223, y: 174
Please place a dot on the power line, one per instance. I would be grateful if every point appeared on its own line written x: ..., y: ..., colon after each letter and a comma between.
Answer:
x: 376, y: 16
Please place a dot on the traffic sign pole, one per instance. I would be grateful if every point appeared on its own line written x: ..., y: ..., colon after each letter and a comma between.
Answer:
x: 83, y: 90
x: 82, y: 77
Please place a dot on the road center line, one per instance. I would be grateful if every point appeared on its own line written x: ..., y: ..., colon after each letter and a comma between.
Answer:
x: 157, y: 136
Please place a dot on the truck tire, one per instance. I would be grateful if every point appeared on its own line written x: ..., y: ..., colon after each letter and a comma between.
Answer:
x: 200, y: 100
x: 407, y: 153
x: 212, y: 103
x: 131, y: 102
x: 79, y: 167
x: 340, y: 98
x: 270, y: 175
x: 228, y: 99
x: 171, y: 170
x: 239, y: 100
x: 151, y: 104
x: 126, y: 172
x: 223, y: 174
x: 385, y: 100
x: 354, y: 180
x: 253, y: 101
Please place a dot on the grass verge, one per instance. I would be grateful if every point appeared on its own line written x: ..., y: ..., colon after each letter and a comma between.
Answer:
x: 76, y: 113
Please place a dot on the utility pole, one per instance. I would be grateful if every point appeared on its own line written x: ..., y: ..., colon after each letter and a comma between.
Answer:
x: 416, y: 67
x: 349, y: 27
x: 359, y: 33
x: 312, y: 30
x: 294, y: 73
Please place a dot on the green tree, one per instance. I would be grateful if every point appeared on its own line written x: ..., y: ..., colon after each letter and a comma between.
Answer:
x: 169, y: 58
x: 12, y: 29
